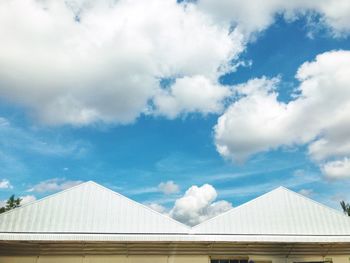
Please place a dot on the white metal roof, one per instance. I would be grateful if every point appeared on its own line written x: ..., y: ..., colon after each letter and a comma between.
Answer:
x: 88, y: 208
x: 279, y: 212
x: 90, y: 212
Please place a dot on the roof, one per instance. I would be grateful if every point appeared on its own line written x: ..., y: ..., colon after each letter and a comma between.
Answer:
x: 88, y: 208
x: 91, y: 212
x: 279, y: 212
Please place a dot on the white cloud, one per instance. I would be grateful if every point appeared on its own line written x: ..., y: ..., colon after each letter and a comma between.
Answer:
x: 252, y: 16
x: 191, y: 94
x: 27, y: 199
x: 198, y: 205
x: 5, y: 184
x: 107, y: 66
x: 52, y: 185
x: 338, y: 169
x: 101, y: 61
x: 253, y: 123
x: 168, y: 187
x: 318, y: 116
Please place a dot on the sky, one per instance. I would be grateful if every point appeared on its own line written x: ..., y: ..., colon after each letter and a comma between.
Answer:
x: 189, y: 107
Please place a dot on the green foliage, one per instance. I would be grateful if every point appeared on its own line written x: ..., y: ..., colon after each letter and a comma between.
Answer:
x: 346, y: 207
x: 11, y: 203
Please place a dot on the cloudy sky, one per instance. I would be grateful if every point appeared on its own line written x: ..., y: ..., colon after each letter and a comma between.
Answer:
x: 190, y: 107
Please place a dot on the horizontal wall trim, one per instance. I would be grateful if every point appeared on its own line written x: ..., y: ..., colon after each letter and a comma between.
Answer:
x: 11, y: 248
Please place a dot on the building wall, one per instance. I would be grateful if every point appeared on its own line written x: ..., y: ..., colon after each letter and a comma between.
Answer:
x: 159, y: 259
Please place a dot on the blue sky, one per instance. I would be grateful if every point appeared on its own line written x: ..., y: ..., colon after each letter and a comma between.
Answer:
x: 43, y: 150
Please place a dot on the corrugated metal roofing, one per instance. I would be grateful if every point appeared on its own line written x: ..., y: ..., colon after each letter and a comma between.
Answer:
x: 88, y: 208
x: 90, y: 212
x: 279, y: 212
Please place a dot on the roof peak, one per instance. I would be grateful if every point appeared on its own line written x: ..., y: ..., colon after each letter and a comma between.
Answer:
x: 88, y: 207
x: 281, y: 189
x: 280, y: 211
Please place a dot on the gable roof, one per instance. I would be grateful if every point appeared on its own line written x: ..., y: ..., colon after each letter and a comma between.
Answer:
x: 91, y: 212
x: 279, y: 212
x: 88, y: 208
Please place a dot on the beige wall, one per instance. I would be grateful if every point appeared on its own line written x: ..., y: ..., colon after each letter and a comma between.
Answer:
x: 60, y: 259
x: 105, y: 259
x: 18, y: 259
x: 156, y: 259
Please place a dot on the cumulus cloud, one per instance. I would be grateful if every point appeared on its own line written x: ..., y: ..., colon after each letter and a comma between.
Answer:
x: 253, y: 123
x: 102, y: 61
x: 198, y: 205
x: 53, y: 185
x: 318, y: 116
x: 191, y: 94
x: 5, y: 184
x: 338, y: 169
x: 252, y: 16
x: 79, y: 62
x: 168, y: 187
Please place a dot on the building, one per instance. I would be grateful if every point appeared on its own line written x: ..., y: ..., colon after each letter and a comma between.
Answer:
x: 90, y: 223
